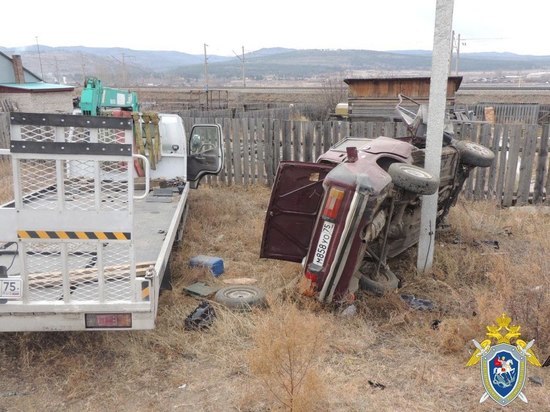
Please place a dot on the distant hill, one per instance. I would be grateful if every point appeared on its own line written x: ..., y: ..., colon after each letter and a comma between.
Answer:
x: 117, y: 66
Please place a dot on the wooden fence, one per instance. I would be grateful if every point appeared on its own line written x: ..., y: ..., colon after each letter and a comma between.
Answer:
x: 253, y: 149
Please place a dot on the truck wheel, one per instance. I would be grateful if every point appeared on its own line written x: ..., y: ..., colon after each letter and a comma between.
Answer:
x: 386, y: 282
x: 241, y: 297
x: 473, y: 154
x: 413, y: 178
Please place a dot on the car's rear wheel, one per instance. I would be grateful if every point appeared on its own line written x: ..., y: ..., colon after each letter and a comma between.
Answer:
x: 473, y: 154
x: 385, y: 281
x: 413, y: 178
x: 241, y: 297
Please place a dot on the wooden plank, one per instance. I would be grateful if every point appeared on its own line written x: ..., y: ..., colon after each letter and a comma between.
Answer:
x: 228, y: 154
x: 287, y: 140
x: 496, y: 133
x: 260, y: 139
x: 308, y: 142
x: 389, y: 129
x: 236, y: 150
x: 245, y: 152
x: 252, y: 142
x: 49, y: 279
x: 276, y: 144
x: 268, y: 139
x: 481, y: 172
x: 502, y: 158
x: 516, y: 140
x: 277, y: 126
x: 318, y: 136
x: 542, y: 166
x: 327, y: 135
x: 355, y: 129
x: 369, y: 132
x: 344, y: 130
x: 526, y: 166
x: 296, y: 140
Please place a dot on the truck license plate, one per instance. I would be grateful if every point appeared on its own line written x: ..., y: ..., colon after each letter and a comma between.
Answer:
x: 323, y: 244
x: 10, y: 288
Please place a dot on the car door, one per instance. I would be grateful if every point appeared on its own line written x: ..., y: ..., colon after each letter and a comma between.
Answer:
x: 205, y: 152
x: 295, y: 200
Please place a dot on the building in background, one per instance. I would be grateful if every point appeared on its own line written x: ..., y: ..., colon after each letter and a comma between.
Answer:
x: 22, y: 90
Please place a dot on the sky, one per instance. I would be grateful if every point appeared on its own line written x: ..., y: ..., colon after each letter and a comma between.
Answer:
x: 226, y: 26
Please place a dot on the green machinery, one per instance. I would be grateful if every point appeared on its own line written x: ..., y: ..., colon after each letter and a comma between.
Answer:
x: 95, y: 98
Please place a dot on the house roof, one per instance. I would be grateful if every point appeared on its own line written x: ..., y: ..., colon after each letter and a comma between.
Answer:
x: 35, y: 87
x: 9, y: 75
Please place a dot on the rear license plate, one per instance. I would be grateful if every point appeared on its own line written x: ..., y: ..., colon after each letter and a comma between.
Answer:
x: 10, y: 288
x: 323, y: 243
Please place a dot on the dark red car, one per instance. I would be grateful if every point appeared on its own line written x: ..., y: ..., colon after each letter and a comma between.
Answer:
x: 358, y: 205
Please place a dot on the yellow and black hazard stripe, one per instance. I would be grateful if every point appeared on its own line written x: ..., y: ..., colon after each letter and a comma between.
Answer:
x: 64, y: 235
x: 145, y: 290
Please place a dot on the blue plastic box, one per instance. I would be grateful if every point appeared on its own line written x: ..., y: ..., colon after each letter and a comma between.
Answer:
x: 215, y: 264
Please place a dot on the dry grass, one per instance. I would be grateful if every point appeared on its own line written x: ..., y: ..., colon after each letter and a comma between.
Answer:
x: 242, y: 362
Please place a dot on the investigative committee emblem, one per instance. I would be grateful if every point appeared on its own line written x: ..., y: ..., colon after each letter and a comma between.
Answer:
x: 503, y: 365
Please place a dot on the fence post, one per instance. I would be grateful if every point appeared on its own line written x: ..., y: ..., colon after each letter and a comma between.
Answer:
x: 542, y: 167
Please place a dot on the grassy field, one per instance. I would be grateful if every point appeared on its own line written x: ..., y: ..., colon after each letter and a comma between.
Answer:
x: 299, y: 355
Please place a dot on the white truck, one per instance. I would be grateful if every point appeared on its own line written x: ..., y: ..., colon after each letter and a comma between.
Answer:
x: 81, y: 248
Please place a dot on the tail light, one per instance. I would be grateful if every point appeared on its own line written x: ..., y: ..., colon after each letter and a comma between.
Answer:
x: 108, y: 320
x: 333, y: 203
x: 311, y: 276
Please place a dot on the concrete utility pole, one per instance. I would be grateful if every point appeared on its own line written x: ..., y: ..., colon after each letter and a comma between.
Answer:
x: 39, y: 58
x: 441, y: 61
x: 205, y: 67
x: 244, y: 78
x: 241, y: 59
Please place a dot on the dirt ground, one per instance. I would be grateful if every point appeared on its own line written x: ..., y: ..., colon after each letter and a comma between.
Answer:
x: 298, y: 354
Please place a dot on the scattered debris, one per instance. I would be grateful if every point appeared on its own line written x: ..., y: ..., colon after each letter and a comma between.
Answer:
x: 213, y: 263
x: 201, y: 289
x: 493, y: 243
x: 435, y: 324
x: 537, y: 380
x: 350, y: 311
x: 182, y: 386
x: 201, y: 318
x: 377, y: 385
x: 240, y: 281
x: 419, y: 304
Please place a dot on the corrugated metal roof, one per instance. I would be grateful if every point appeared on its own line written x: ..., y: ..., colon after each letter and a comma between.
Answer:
x: 39, y: 86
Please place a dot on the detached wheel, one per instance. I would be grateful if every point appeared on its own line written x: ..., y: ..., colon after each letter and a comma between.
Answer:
x: 386, y: 281
x: 413, y: 178
x: 473, y: 154
x: 241, y: 297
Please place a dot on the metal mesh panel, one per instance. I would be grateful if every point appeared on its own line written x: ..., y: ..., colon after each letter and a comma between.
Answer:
x: 44, y: 266
x: 37, y: 183
x: 30, y: 133
x: 116, y: 259
x: 45, y: 271
x: 111, y: 136
x: 114, y: 185
x: 77, y: 135
x: 79, y: 185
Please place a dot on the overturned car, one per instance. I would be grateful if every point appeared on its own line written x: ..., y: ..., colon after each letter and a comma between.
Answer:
x: 359, y: 205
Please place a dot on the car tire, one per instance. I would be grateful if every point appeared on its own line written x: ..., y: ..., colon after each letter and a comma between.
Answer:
x: 241, y: 297
x: 388, y: 282
x: 473, y: 154
x: 413, y: 178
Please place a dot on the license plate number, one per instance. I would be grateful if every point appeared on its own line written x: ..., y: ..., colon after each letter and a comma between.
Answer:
x: 323, y: 243
x: 10, y: 288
